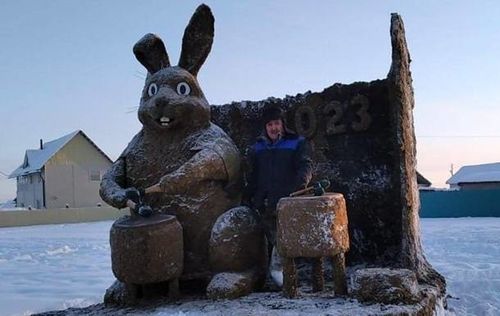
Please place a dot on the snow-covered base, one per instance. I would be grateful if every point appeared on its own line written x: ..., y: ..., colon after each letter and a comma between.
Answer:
x: 54, y: 267
x: 259, y: 304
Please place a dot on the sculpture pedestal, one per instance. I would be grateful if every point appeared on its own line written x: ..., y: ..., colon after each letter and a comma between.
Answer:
x: 313, y: 227
x: 147, y: 250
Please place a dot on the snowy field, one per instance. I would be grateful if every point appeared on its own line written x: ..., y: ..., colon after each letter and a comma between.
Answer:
x: 467, y: 252
x: 58, y: 266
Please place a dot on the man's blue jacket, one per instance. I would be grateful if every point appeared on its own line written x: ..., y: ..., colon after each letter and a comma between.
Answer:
x: 276, y: 170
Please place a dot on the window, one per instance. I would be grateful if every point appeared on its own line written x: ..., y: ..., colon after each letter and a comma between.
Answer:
x: 94, y: 175
x: 23, y: 179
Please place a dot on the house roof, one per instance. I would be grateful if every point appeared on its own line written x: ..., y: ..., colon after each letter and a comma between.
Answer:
x: 489, y: 172
x: 422, y: 180
x: 35, y: 159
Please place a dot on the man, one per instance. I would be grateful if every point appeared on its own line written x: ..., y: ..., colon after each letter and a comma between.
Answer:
x: 279, y: 164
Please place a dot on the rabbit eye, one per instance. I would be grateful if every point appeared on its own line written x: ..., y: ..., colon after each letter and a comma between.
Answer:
x: 153, y: 89
x: 183, y: 88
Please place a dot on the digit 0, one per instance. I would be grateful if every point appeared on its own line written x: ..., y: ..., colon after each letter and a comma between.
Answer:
x: 305, y: 121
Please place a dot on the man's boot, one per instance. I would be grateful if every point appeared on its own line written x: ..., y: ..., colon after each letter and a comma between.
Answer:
x: 276, y: 268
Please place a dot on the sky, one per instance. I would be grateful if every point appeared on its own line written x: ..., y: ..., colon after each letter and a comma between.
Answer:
x: 68, y: 65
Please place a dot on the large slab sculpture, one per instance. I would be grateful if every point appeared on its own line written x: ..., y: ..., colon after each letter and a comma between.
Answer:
x: 364, y: 143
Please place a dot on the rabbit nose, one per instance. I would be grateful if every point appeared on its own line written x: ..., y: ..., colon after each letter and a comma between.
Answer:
x: 161, y: 103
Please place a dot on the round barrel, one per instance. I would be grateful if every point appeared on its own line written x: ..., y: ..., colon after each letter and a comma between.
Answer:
x: 312, y: 226
x: 146, y: 250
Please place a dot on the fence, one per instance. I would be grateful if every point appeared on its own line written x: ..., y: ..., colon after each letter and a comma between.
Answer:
x: 464, y: 203
x: 59, y: 216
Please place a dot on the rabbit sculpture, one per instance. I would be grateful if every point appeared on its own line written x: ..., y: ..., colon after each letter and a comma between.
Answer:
x: 190, y: 168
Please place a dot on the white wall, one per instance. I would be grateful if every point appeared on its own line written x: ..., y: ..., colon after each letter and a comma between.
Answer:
x: 67, y: 175
x: 30, y: 191
x: 59, y: 216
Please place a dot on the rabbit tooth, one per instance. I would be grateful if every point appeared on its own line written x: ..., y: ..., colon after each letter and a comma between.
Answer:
x: 164, y: 121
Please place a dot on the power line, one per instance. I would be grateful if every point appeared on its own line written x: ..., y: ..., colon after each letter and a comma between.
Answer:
x: 458, y: 136
x: 4, y: 174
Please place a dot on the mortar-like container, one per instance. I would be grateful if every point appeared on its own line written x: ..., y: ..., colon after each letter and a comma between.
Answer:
x: 312, y: 226
x: 147, y: 250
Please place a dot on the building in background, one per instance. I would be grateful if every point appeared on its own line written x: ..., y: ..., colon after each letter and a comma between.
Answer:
x: 476, y: 177
x: 474, y: 192
x: 65, y: 172
x: 422, y: 182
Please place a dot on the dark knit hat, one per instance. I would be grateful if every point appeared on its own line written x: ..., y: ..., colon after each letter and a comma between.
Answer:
x: 271, y: 113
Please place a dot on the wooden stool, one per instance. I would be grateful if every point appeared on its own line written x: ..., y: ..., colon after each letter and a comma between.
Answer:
x: 147, y: 250
x: 313, y: 227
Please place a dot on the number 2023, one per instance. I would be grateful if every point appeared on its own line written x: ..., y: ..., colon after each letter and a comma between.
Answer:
x: 334, y: 111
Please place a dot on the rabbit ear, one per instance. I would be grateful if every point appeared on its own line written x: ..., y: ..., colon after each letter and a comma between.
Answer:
x: 151, y: 53
x: 197, y: 40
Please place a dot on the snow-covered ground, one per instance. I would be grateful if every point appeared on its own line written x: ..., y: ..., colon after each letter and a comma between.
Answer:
x: 53, y: 266
x: 57, y: 266
x: 467, y: 252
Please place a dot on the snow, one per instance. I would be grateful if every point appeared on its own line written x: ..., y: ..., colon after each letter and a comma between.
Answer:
x: 53, y: 267
x: 59, y: 266
x: 8, y: 205
x: 467, y: 252
x: 277, y: 276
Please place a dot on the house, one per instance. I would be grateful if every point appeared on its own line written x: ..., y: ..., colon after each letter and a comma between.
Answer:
x: 484, y: 176
x: 422, y: 182
x: 65, y: 172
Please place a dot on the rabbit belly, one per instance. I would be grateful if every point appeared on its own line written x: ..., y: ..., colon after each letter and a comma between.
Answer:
x: 197, y: 209
x: 197, y: 214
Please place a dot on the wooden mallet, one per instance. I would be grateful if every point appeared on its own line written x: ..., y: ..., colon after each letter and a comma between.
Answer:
x: 318, y: 188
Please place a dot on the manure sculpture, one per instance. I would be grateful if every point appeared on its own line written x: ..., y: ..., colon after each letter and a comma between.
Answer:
x: 186, y: 167
x: 364, y: 144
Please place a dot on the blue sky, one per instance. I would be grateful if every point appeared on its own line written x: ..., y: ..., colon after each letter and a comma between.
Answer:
x: 68, y: 65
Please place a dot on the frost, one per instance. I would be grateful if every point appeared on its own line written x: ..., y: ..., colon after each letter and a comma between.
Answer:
x: 221, y: 224
x: 226, y: 280
x: 23, y: 258
x: 62, y: 250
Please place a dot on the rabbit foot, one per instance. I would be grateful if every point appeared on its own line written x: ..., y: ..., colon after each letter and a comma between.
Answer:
x: 231, y: 285
x: 121, y: 294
